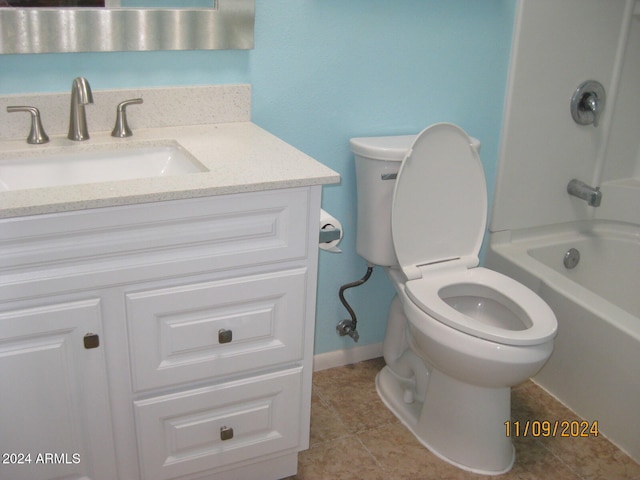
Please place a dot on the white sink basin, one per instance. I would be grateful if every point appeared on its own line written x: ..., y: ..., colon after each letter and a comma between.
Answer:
x: 67, y: 166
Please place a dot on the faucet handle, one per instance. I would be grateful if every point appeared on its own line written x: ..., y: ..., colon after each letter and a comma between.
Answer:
x: 590, y: 103
x: 121, y: 129
x: 587, y: 103
x: 37, y: 134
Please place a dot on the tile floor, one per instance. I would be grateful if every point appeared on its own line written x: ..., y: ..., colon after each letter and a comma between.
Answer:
x: 353, y: 436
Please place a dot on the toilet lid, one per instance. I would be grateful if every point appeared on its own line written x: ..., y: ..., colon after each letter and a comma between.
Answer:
x: 439, y: 207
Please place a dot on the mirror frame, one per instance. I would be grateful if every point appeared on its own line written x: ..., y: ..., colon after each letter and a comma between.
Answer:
x: 228, y: 25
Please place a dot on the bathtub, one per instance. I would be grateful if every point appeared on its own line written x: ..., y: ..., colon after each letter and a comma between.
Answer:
x: 595, y: 365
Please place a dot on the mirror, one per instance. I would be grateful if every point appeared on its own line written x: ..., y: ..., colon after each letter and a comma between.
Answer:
x: 226, y: 24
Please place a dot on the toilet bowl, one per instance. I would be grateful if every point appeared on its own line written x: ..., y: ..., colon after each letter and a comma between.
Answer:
x: 485, y: 304
x: 458, y: 335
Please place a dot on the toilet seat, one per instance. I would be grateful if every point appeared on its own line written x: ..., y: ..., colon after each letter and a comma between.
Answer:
x: 438, y: 223
x: 439, y: 210
x: 537, y: 322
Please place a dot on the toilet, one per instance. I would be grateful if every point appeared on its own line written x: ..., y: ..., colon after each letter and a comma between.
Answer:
x: 459, y: 336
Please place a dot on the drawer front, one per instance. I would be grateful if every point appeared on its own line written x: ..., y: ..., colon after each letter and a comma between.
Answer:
x: 102, y: 246
x: 215, y: 426
x: 211, y: 329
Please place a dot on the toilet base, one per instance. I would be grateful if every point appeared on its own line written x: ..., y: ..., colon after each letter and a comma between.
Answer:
x: 460, y: 423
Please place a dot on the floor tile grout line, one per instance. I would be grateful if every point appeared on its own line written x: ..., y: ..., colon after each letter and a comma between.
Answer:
x: 316, y: 390
x: 560, y: 459
x: 327, y: 404
x: 331, y: 440
x: 371, y: 454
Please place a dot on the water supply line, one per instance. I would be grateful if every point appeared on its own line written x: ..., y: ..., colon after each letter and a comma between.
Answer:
x: 348, y: 326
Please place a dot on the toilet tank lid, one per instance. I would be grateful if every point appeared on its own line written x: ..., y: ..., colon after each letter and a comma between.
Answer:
x: 390, y: 148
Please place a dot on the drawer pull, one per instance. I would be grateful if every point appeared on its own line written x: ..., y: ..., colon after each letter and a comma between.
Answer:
x: 224, y: 336
x: 226, y: 433
x: 91, y: 340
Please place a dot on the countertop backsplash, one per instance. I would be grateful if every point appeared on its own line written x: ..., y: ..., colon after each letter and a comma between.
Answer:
x: 162, y: 107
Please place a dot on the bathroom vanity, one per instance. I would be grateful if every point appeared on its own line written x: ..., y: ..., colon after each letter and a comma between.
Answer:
x: 162, y: 328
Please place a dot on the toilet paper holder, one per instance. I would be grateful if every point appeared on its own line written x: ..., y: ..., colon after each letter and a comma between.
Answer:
x: 328, y: 236
x: 330, y: 232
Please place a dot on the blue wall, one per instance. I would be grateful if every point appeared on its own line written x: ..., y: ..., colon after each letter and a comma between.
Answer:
x: 323, y: 71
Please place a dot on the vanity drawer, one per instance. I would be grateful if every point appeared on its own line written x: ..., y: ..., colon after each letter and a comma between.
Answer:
x: 100, y: 247
x: 211, y: 329
x: 211, y: 427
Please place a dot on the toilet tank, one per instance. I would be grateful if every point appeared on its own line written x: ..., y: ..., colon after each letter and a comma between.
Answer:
x: 378, y: 160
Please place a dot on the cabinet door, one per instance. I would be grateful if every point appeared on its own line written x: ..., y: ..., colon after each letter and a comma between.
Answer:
x: 54, y: 408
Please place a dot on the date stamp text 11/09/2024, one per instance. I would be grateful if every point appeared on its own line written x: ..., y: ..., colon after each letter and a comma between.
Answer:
x: 551, y: 428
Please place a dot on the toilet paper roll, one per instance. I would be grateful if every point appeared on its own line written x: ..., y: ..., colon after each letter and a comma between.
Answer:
x: 329, y: 222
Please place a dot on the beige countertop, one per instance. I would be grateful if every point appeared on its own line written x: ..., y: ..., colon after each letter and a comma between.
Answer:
x: 240, y: 157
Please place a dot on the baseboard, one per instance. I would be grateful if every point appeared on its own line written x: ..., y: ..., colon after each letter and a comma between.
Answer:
x: 346, y: 356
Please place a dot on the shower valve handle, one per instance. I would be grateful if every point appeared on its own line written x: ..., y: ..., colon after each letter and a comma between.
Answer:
x: 587, y: 103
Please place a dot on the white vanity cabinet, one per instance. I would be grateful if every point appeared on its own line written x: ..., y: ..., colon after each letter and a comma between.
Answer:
x: 162, y: 340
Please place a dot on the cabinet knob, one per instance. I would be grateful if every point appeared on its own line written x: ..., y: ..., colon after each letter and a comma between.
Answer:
x: 91, y: 340
x: 226, y: 433
x: 225, y: 336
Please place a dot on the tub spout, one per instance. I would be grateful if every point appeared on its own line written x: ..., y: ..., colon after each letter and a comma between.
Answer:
x: 579, y: 189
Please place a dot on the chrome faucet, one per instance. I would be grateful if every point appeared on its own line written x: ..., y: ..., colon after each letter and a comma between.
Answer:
x: 80, y: 96
x: 588, y: 102
x: 579, y: 189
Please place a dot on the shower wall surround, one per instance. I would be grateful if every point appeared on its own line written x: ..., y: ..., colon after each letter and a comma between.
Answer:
x: 620, y: 167
x: 558, y: 46
x: 542, y: 147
